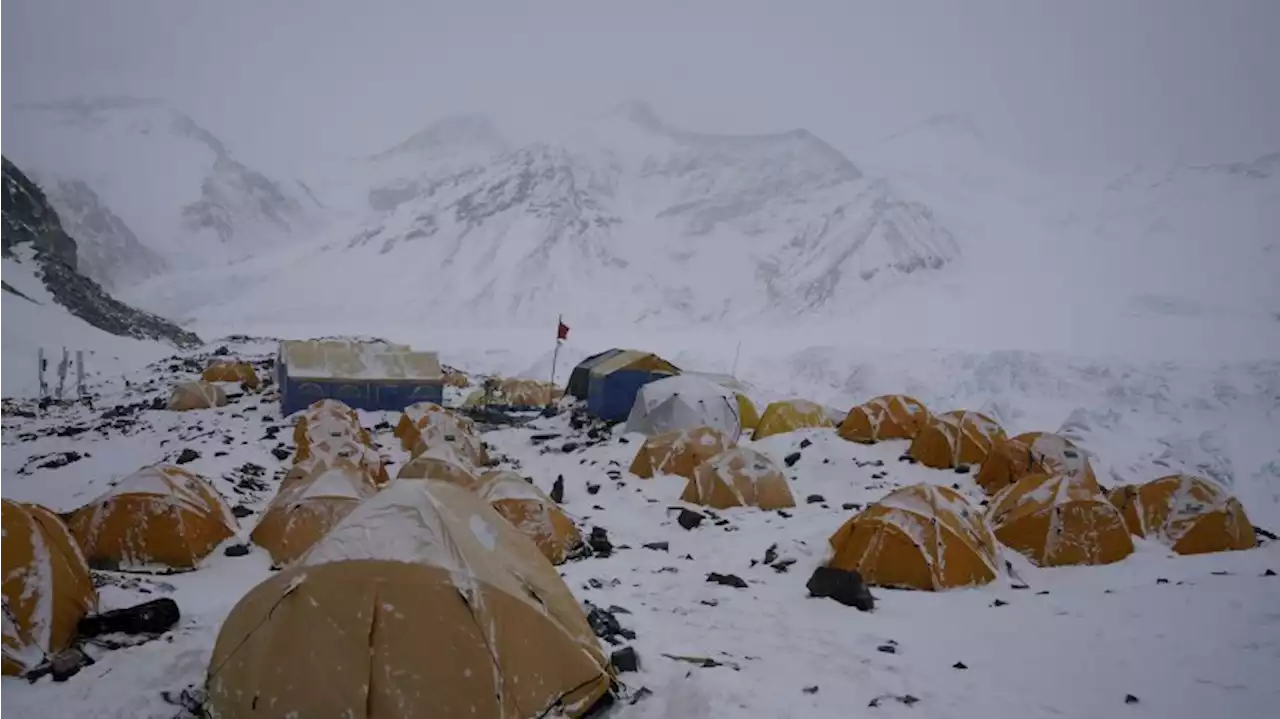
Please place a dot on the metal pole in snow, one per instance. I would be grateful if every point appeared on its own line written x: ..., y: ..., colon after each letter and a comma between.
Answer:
x: 62, y: 373
x: 44, y: 387
x: 555, y: 355
x: 80, y: 391
x: 734, y: 372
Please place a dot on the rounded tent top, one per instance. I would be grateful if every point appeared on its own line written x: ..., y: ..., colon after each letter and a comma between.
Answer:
x: 789, y: 416
x: 685, y: 402
x: 679, y: 452
x: 1190, y: 515
x: 1034, y: 453
x: 225, y: 371
x: 955, y: 439
x: 158, y: 517
x: 918, y: 537
x: 195, y: 395
x: 304, y: 511
x: 335, y: 451
x: 47, y: 587
x: 441, y: 464
x: 406, y: 429
x: 739, y: 477
x: 1056, y: 521
x: 890, y: 416
x: 532, y: 512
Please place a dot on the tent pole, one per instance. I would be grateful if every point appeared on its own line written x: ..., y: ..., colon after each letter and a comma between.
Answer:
x: 734, y: 372
x: 555, y: 355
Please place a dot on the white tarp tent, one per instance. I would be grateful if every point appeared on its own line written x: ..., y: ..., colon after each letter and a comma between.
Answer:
x: 685, y: 402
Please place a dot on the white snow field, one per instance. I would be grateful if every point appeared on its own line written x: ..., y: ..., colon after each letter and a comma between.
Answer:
x: 1073, y: 643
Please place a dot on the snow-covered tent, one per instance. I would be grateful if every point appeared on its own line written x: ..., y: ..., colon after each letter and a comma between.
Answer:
x: 238, y: 372
x: 1188, y: 514
x: 364, y: 375
x: 195, y: 395
x: 330, y: 451
x: 1033, y: 453
x: 1056, y: 520
x: 614, y: 382
x: 47, y: 587
x: 441, y: 464
x: 160, y: 517
x: 684, y: 402
x: 452, y: 432
x: 890, y: 416
x: 790, y: 415
x: 679, y: 452
x: 421, y: 602
x: 955, y: 439
x: 304, y: 512
x: 918, y: 537
x: 739, y: 477
x: 532, y: 512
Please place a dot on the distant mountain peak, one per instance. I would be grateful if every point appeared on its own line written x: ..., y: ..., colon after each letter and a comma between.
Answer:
x: 450, y: 133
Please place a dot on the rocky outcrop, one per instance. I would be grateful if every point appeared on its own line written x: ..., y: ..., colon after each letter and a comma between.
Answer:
x: 29, y: 220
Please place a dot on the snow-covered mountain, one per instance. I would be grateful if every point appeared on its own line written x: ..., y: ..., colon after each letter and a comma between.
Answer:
x: 628, y: 220
x: 175, y: 191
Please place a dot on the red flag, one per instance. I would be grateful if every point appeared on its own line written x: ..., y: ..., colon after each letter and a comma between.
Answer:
x: 562, y: 332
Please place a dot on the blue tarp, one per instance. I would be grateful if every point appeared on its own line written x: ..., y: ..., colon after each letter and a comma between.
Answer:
x: 613, y: 383
x: 366, y: 376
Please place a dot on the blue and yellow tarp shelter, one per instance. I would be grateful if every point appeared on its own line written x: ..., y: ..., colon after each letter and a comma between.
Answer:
x: 580, y: 379
x: 364, y: 375
x: 614, y: 381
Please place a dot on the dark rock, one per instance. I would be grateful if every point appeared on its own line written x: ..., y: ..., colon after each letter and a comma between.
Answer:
x: 810, y: 690
x: 557, y: 489
x: 154, y: 617
x: 689, y: 518
x: 826, y: 460
x: 1264, y: 534
x: 959, y: 665
x: 784, y: 514
x: 658, y: 546
x: 240, y: 511
x: 783, y: 565
x: 711, y: 602
x: 729, y: 580
x: 814, y: 499
x: 851, y: 505
x: 771, y: 554
x: 906, y: 699
x: 721, y: 522
x: 540, y: 438
x: 1269, y: 573
x: 569, y: 447
x: 382, y: 426
x: 999, y: 603
x: 606, y: 625
x: 625, y: 660
x: 887, y: 649
x: 593, y: 488
x: 791, y: 459
x: 236, y: 550
x: 1130, y: 699
x: 1042, y: 592
x: 843, y: 586
x: 61, y: 459
x: 1220, y: 573
x: 599, y: 542
x: 1161, y: 580
x: 805, y: 443
x: 187, y: 456
x: 623, y: 440
x: 280, y: 453
x: 220, y: 453
x: 641, y: 693
x: 67, y: 663
x: 962, y: 469
x: 907, y: 458
x: 251, y: 469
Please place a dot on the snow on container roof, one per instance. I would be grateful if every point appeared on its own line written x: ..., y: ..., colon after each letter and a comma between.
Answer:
x: 324, y: 359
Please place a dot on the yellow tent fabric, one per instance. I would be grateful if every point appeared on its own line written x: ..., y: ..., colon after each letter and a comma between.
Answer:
x: 240, y: 372
x: 1188, y: 514
x: 918, y: 537
x: 790, y: 415
x: 456, y: 378
x: 187, y: 396
x: 422, y: 603
x: 329, y: 411
x: 529, y: 393
x: 1057, y: 521
x: 1034, y: 453
x: 331, y: 431
x: 406, y: 430
x: 302, y: 514
x: 890, y: 416
x: 447, y: 430
x: 439, y: 464
x: 532, y: 512
x: 739, y: 477
x: 747, y: 412
x: 955, y: 439
x: 331, y: 450
x: 635, y: 360
x: 679, y: 452
x: 47, y: 587
x: 158, y: 518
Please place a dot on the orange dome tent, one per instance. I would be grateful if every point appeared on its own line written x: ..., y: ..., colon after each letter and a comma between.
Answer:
x: 195, y: 395
x: 1034, y: 453
x: 739, y: 477
x: 329, y: 413
x: 304, y: 512
x: 239, y: 372
x: 1188, y: 514
x: 789, y: 416
x: 160, y: 517
x: 955, y: 439
x: 679, y: 452
x: 442, y: 465
x: 532, y: 512
x: 890, y: 416
x: 345, y: 448
x: 407, y: 428
x: 445, y: 430
x: 47, y: 587
x: 918, y: 537
x: 1057, y: 521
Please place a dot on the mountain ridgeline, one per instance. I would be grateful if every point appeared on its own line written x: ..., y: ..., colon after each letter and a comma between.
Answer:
x: 30, y: 221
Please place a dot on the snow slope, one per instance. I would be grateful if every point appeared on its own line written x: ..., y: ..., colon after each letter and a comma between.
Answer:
x: 174, y: 184
x: 1186, y: 636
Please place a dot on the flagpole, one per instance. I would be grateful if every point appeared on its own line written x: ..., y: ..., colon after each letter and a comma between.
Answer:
x: 555, y: 355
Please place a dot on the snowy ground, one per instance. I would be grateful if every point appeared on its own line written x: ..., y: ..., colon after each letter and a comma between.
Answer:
x: 1074, y: 643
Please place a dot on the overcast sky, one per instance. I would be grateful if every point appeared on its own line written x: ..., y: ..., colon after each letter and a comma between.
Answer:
x: 1084, y: 84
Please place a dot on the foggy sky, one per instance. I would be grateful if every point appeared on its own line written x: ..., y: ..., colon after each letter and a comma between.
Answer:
x: 1071, y: 85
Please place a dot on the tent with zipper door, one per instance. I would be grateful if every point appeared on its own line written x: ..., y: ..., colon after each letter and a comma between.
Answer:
x: 615, y: 382
x: 684, y: 402
x: 364, y: 375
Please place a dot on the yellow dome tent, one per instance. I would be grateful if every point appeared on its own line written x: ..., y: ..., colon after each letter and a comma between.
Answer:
x: 739, y: 477
x: 1188, y: 514
x: 890, y: 416
x: 1057, y: 521
x: 328, y: 412
x: 918, y: 537
x: 789, y: 416
x: 439, y: 430
x: 440, y: 464
x: 748, y: 415
x: 160, y: 517
x: 239, y: 372
x: 344, y: 448
x: 406, y: 429
x: 955, y: 439
x: 532, y: 512
x: 679, y: 452
x: 423, y: 602
x: 187, y: 396
x: 302, y: 514
x: 47, y: 587
x: 1033, y: 453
